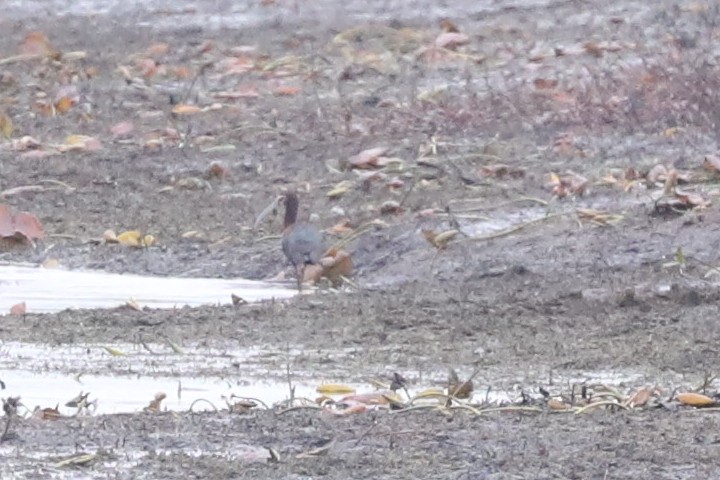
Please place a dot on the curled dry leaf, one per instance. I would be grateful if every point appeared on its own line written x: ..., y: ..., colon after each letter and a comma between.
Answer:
x: 25, y: 143
x: 340, y: 189
x: 334, y: 389
x: 459, y: 389
x: 80, y: 143
x: 36, y: 43
x: 640, y: 398
x: 184, y: 109
x: 374, y: 398
x: 367, y: 158
x: 109, y: 236
x: 501, y: 170
x: 217, y: 171
x: 122, y: 129
x: 154, y: 406
x: 451, y: 40
x: 20, y: 226
x: 439, y: 240
x: 114, y: 351
x: 18, y: 309
x: 657, y: 174
x: 391, y: 207
x: 712, y: 163
x: 695, y: 399
x: 6, y: 125
x: 48, y: 413
x: 569, y: 183
x: 557, y: 405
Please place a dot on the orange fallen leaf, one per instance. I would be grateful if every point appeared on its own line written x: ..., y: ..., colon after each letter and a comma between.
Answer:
x: 451, y: 40
x: 695, y: 399
x: 122, y: 129
x: 6, y: 125
x: 367, y: 158
x: 83, y: 143
x: 36, y: 43
x: 18, y: 309
x: 184, y: 109
x: 286, y: 91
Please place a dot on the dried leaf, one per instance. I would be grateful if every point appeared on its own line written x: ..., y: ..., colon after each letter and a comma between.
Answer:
x: 711, y: 162
x: 367, y: 158
x: 184, y: 109
x: 340, y: 189
x: 109, y: 236
x: 391, y: 207
x: 334, y: 389
x: 154, y: 406
x: 122, y: 129
x: 131, y: 238
x: 459, y: 389
x: 695, y: 399
x: 439, y: 240
x: 36, y: 43
x: 80, y: 143
x: 286, y: 91
x: 114, y: 351
x: 18, y: 309
x: 451, y: 40
x: 657, y: 174
x: 6, y: 125
x: 557, y: 405
x: 374, y: 398
x: 639, y: 398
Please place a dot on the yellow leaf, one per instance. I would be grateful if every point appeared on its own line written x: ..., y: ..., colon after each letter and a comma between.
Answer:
x: 148, y: 241
x: 695, y: 399
x: 130, y: 238
x: 6, y: 125
x: 430, y: 393
x: 340, y: 189
x: 114, y: 351
x: 335, y: 389
x: 185, y: 109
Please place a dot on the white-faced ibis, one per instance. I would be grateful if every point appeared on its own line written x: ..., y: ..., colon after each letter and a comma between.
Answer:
x: 302, y: 243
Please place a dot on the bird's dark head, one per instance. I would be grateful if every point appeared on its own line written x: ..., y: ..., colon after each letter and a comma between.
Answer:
x: 290, y: 199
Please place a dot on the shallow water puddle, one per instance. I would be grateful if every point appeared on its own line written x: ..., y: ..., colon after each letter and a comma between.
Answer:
x: 45, y: 376
x: 53, y: 290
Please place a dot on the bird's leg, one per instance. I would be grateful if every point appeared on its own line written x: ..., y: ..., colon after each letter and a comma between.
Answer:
x: 300, y: 271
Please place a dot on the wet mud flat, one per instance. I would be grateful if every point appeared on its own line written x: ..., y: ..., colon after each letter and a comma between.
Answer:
x: 598, y: 287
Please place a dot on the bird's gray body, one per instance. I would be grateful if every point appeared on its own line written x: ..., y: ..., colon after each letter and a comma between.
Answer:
x: 303, y: 245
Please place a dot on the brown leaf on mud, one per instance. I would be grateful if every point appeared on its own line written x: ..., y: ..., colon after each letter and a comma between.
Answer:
x: 334, y: 265
x: 545, y: 84
x: 439, y: 240
x: 374, y: 398
x: 341, y: 227
x: 157, y: 50
x: 340, y: 189
x: 48, y: 413
x: 640, y: 398
x: 6, y: 125
x: 217, y: 171
x: 25, y: 143
x: 451, y: 40
x: 36, y: 43
x: 18, y: 309
x: 695, y: 399
x: 557, y: 405
x: 657, y: 174
x: 185, y: 109
x: 569, y: 183
x: 154, y: 406
x: 391, y: 207
x: 459, y: 389
x: 21, y: 227
x: 122, y: 129
x: 712, y: 163
x: 565, y: 145
x: 448, y: 26
x: 501, y: 170
x: 599, y: 217
x: 81, y: 143
x: 286, y: 91
x: 367, y: 158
